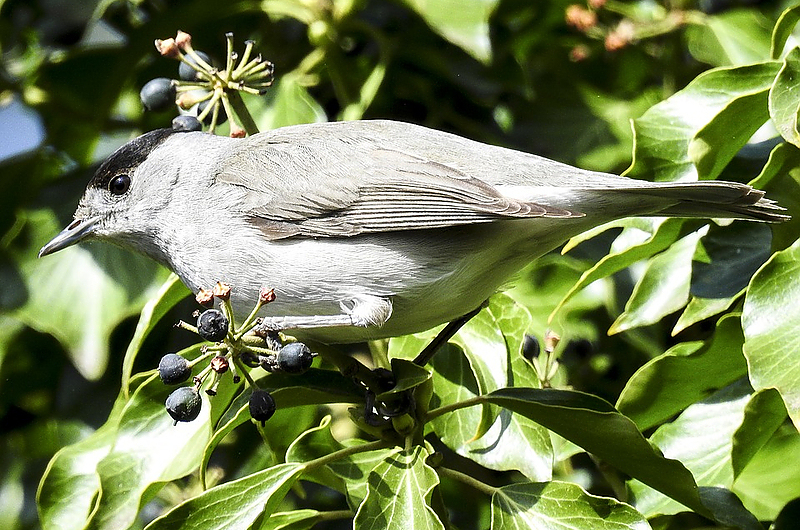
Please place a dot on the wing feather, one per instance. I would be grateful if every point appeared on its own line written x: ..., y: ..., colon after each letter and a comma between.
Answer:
x: 338, y: 186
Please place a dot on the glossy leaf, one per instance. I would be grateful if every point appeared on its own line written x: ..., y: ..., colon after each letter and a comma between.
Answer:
x: 464, y: 23
x: 784, y: 98
x: 662, y: 289
x: 702, y: 124
x: 170, y: 293
x: 769, y: 481
x: 129, y: 471
x: 686, y: 373
x: 783, y: 29
x: 769, y: 319
x: 640, y: 239
x: 234, y: 505
x: 512, y: 441
x: 763, y: 416
x: 559, y: 505
x: 702, y: 439
x: 597, y: 427
x: 68, y: 489
x: 354, y: 471
x: 399, y: 493
x: 93, y: 294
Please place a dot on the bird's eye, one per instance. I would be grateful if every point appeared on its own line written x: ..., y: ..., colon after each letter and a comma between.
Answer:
x: 119, y: 184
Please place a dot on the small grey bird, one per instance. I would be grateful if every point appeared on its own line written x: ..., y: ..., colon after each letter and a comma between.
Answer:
x: 365, y: 229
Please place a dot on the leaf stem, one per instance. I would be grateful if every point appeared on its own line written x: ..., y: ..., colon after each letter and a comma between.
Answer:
x: 347, y: 451
x: 334, y: 515
x: 467, y: 479
x: 435, y: 413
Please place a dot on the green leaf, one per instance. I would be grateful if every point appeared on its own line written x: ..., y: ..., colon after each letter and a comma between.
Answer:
x: 596, y: 426
x: 68, y: 489
x: 288, y: 103
x: 686, y: 373
x: 784, y: 98
x: 80, y: 294
x: 699, y: 309
x: 170, y: 293
x: 702, y: 439
x: 234, y: 505
x: 769, y: 319
x: 148, y: 449
x: 771, y: 480
x: 641, y: 237
x: 408, y: 375
x: 783, y: 29
x: 354, y: 471
x: 733, y: 37
x: 314, y: 387
x: 512, y: 441
x: 663, y: 288
x: 465, y: 23
x: 316, y: 442
x: 699, y: 114
x: 399, y: 494
x: 294, y: 520
x: 763, y: 416
x: 730, y: 257
x: 558, y: 505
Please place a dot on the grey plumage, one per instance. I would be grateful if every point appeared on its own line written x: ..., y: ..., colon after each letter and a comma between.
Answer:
x: 367, y: 228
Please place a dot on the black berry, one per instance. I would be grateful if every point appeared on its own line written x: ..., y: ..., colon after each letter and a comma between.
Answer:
x: 530, y: 347
x: 173, y: 369
x: 184, y: 404
x: 212, y: 325
x: 295, y: 358
x: 158, y: 94
x: 262, y: 405
x: 186, y: 123
x: 187, y: 73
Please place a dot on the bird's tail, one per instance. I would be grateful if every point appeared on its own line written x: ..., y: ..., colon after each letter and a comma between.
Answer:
x: 713, y: 199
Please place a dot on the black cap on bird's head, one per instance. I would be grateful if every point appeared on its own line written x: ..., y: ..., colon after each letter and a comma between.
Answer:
x: 112, y: 177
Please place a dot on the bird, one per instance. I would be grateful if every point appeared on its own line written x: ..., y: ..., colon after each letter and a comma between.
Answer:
x: 364, y: 229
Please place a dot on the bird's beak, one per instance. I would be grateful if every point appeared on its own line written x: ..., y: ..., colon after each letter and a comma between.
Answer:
x: 74, y: 232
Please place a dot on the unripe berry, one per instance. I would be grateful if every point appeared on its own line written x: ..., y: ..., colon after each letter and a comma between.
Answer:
x: 184, y: 404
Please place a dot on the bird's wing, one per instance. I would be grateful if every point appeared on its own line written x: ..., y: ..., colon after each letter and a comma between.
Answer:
x: 345, y: 186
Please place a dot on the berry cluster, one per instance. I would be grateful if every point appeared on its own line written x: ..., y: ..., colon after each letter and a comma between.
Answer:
x: 205, y: 92
x: 234, y: 349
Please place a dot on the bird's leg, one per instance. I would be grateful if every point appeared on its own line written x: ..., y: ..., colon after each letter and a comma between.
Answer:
x: 360, y: 311
x: 445, y: 335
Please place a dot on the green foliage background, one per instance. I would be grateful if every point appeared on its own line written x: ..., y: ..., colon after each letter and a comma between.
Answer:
x: 702, y: 360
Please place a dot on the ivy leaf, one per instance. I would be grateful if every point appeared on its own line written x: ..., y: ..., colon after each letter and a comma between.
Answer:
x: 147, y: 449
x: 769, y: 319
x: 597, y: 427
x: 399, y: 494
x: 556, y: 505
x: 685, y: 374
x: 705, y: 124
x: 171, y: 292
x: 783, y: 30
x: 235, y: 505
x: 702, y: 439
x: 784, y: 97
x: 93, y: 297
x: 465, y: 23
x: 662, y: 289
